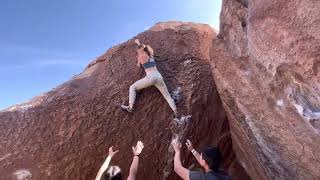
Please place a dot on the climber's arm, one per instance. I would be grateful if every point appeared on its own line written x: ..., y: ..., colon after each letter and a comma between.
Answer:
x: 139, y: 61
x: 106, y: 163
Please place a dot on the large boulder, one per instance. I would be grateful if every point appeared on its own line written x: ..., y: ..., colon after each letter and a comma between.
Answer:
x: 266, y: 65
x: 64, y: 133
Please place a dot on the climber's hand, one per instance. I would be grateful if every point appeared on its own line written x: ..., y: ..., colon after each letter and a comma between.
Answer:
x: 176, y: 145
x: 189, y: 145
x: 139, y: 65
x: 138, y: 149
x: 137, y: 41
x: 111, y: 152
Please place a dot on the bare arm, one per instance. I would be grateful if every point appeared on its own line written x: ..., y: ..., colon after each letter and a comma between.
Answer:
x: 196, y: 155
x: 106, y: 163
x: 138, y: 62
x: 104, y: 167
x: 193, y: 151
x: 138, y: 59
x: 133, y: 168
x: 135, y: 162
x: 178, y: 168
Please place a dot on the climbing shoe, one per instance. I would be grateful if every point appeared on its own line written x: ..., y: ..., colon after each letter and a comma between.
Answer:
x: 127, y: 108
x: 176, y: 115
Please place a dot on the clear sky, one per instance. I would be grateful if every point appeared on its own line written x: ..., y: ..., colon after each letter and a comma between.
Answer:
x: 43, y: 43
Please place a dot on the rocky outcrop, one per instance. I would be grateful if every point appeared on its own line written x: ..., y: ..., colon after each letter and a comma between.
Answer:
x: 266, y: 63
x: 64, y: 134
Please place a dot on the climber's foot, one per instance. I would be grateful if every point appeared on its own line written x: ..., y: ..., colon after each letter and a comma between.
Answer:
x: 127, y: 108
x: 176, y: 115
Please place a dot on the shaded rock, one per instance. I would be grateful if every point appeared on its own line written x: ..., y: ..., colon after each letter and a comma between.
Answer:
x: 65, y: 133
x: 266, y: 68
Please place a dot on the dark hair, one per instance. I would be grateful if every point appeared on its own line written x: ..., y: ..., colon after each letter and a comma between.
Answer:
x: 146, y: 49
x: 109, y: 174
x: 140, y: 46
x: 117, y: 176
x: 213, y: 157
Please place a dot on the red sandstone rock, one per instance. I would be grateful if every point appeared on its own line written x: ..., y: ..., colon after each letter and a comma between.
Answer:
x: 65, y: 133
x: 266, y: 67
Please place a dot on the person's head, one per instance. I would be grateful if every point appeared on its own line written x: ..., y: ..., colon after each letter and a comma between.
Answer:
x: 145, y: 49
x: 112, y: 173
x: 210, y: 158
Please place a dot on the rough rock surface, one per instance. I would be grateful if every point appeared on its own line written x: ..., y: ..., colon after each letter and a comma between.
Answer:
x: 266, y: 65
x: 64, y: 134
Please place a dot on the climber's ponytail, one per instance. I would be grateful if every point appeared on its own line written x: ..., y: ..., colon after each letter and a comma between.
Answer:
x: 148, y: 50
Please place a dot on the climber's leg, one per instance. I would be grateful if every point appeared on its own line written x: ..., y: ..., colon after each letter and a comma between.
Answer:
x: 138, y: 85
x: 165, y: 93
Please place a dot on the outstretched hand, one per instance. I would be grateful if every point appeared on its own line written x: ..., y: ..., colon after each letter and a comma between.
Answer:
x: 189, y: 145
x: 111, y: 152
x: 138, y: 149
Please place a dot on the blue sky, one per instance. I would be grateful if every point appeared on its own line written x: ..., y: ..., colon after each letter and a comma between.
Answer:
x: 43, y: 43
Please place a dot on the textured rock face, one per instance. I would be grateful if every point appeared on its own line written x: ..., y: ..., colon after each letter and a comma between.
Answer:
x: 64, y: 134
x: 266, y: 63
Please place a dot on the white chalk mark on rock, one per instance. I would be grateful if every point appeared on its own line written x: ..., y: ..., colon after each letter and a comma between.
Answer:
x: 21, y: 108
x: 307, y: 113
x: 299, y: 109
x: 280, y: 103
x: 183, y: 120
x: 185, y: 63
x: 176, y: 95
x: 23, y: 174
x: 5, y: 157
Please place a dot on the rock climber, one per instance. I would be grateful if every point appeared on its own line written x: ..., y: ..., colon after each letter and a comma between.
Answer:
x: 209, y: 159
x: 114, y: 172
x: 153, y: 77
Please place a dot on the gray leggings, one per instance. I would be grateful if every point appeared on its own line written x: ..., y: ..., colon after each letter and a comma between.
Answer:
x: 153, y: 78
